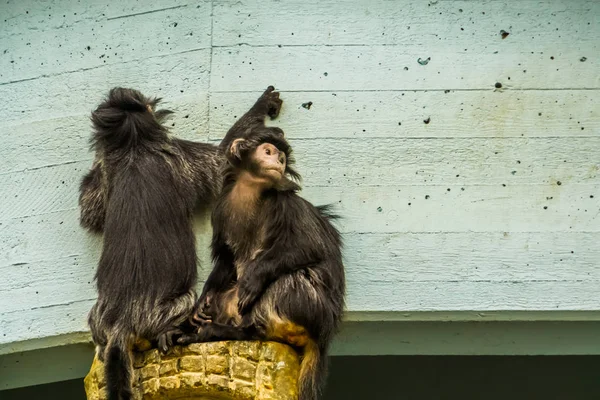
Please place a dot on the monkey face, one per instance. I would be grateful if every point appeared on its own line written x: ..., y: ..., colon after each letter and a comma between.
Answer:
x: 269, y: 162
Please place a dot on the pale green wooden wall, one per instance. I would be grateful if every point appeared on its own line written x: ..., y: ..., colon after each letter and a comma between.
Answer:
x: 489, y: 211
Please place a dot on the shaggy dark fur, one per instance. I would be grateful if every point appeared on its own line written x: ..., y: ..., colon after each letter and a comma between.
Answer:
x: 141, y: 194
x: 278, y: 272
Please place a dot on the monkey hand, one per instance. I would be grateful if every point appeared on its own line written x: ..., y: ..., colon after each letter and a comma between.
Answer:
x: 270, y: 102
x: 202, y: 314
x: 249, y: 291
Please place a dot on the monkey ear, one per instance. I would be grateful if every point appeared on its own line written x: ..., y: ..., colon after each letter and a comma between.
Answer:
x: 235, y: 149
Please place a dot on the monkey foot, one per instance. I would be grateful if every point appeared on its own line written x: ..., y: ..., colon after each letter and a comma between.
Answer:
x: 189, y: 338
x: 166, y: 340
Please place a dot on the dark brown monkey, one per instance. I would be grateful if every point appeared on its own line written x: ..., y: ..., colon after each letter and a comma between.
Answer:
x: 278, y: 272
x: 141, y: 193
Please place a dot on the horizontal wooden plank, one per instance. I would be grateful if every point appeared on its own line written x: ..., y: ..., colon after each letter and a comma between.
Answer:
x: 354, y: 164
x: 543, y: 113
x: 382, y: 295
x: 79, y: 92
x: 331, y: 68
x: 44, y: 15
x: 476, y: 209
x: 369, y: 258
x: 449, y: 208
x: 470, y: 338
x: 474, y: 24
x: 470, y: 256
x: 57, y: 141
x: 62, y: 319
x: 96, y: 41
x: 45, y: 321
x: 472, y: 114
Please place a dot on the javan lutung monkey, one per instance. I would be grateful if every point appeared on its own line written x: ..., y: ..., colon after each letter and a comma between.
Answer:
x: 278, y: 272
x: 141, y: 193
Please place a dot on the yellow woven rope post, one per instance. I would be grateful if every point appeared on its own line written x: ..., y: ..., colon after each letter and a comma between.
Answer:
x: 217, y: 371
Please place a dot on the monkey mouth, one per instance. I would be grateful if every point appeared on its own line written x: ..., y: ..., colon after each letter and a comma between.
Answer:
x: 280, y: 171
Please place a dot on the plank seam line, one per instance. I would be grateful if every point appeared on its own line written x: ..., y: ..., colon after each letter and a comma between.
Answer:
x: 146, y: 12
x: 366, y: 45
x: 136, y: 60
x: 486, y: 89
x: 210, y: 68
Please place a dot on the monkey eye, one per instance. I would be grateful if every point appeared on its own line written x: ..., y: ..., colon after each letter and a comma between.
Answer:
x: 268, y: 151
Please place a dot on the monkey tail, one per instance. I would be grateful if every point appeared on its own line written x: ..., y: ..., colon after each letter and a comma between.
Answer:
x: 127, y: 117
x: 313, y: 371
x: 118, y: 368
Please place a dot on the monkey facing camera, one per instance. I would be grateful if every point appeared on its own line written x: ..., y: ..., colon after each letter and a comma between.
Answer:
x: 278, y: 272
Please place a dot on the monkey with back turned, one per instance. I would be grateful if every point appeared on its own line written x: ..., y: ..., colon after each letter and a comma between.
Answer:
x: 141, y: 193
x: 278, y: 271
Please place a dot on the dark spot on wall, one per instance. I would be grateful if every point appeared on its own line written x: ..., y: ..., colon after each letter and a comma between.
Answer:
x: 428, y: 120
x: 558, y: 183
x: 406, y: 68
x: 462, y: 188
x: 307, y: 105
x: 552, y: 57
x: 89, y: 48
x: 379, y: 209
x: 426, y: 197
x: 513, y: 172
x: 325, y: 73
x: 399, y: 123
x: 545, y: 207
x: 504, y: 185
x: 583, y: 59
x: 518, y: 162
x: 174, y: 24
x: 504, y: 34
x: 591, y: 196
x: 448, y: 189
x: 423, y: 61
x: 498, y: 85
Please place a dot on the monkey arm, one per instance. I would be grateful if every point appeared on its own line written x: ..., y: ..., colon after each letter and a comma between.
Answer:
x: 92, y: 198
x: 266, y: 270
x: 219, y: 279
x: 268, y: 103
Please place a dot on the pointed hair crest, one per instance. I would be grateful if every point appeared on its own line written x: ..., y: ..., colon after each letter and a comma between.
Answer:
x: 125, y: 119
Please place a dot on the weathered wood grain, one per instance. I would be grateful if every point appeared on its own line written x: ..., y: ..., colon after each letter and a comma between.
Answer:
x: 361, y: 115
x: 492, y: 206
x: 397, y: 68
x: 377, y: 114
x: 376, y: 22
x: 96, y: 40
x: 501, y: 163
x: 61, y: 140
x: 79, y: 92
x: 499, y: 257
